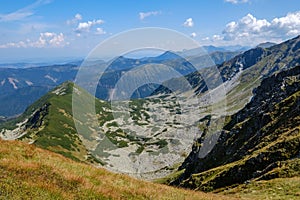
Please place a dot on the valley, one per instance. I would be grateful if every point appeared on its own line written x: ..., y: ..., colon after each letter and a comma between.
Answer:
x: 231, y: 137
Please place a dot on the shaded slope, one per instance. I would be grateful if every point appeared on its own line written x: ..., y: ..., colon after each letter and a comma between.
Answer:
x: 258, y: 139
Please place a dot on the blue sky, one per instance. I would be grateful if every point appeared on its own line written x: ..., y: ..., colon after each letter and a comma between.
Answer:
x: 32, y: 29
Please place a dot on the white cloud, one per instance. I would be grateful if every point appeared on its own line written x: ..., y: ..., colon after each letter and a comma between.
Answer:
x: 77, y: 17
x: 23, y: 12
x: 193, y: 34
x: 237, y: 1
x: 217, y: 37
x: 86, y: 26
x: 249, y: 29
x: 143, y: 15
x: 188, y: 23
x: 57, y: 40
x: 13, y: 45
x: 290, y: 24
x: 206, y: 39
x: 15, y: 16
x: 46, y: 39
x: 100, y: 31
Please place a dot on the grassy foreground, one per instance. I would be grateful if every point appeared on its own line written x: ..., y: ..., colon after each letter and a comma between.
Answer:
x: 27, y: 172
x: 275, y: 189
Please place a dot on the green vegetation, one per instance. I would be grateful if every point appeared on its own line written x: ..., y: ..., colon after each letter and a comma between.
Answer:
x: 170, y: 178
x: 277, y: 189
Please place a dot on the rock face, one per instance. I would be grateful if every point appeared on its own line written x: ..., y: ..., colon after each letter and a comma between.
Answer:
x: 265, y: 133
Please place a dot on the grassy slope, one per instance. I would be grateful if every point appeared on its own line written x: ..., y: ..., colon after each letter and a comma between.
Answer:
x: 27, y: 172
x: 45, y: 135
x: 51, y: 124
x: 279, y: 188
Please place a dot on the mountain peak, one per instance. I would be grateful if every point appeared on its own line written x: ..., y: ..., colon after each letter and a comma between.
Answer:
x: 64, y: 88
x: 266, y: 45
x: 168, y: 55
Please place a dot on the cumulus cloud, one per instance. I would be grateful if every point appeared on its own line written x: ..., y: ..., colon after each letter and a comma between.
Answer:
x: 188, y: 23
x: 100, y: 31
x: 290, y: 24
x: 237, y: 1
x: 143, y: 15
x: 193, y: 34
x: 49, y: 39
x: 46, y: 39
x: 86, y: 26
x: 77, y: 17
x: 256, y: 30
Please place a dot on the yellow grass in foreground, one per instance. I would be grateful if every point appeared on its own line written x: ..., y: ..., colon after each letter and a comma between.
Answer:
x: 27, y: 172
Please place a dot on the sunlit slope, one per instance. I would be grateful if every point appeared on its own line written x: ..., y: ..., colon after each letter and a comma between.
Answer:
x: 28, y: 172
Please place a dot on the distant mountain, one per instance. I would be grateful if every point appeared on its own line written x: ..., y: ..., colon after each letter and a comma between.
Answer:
x: 21, y: 87
x: 211, y: 49
x: 266, y: 45
x: 260, y: 142
x: 28, y: 64
x: 216, y: 57
x: 202, y: 51
x: 236, y: 48
x: 21, y: 65
x: 168, y: 55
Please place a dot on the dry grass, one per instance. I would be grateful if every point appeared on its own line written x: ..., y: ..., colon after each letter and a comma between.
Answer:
x: 27, y: 172
x: 279, y: 189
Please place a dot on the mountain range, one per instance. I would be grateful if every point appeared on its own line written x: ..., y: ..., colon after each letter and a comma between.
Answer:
x: 20, y: 87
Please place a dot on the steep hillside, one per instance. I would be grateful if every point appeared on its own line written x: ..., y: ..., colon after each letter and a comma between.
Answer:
x: 27, y: 172
x: 48, y: 123
x: 260, y: 142
x: 254, y: 65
